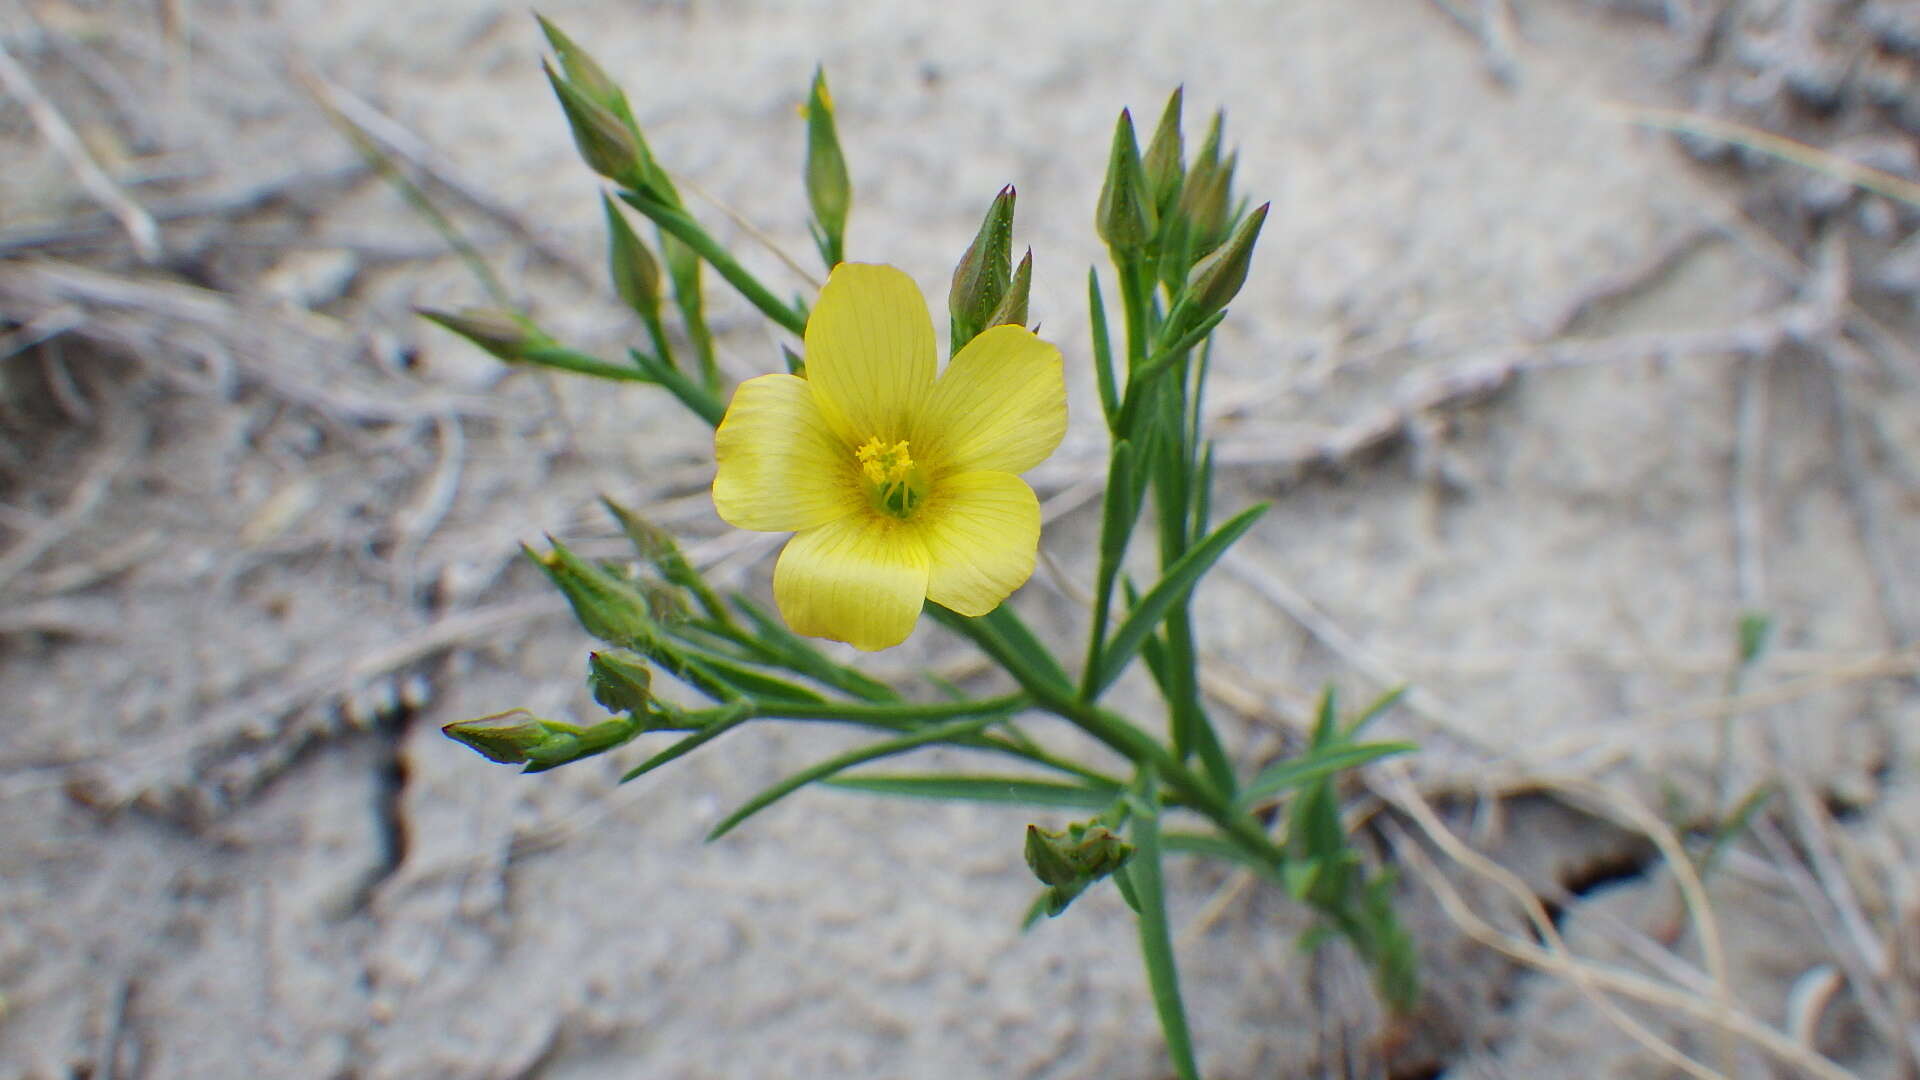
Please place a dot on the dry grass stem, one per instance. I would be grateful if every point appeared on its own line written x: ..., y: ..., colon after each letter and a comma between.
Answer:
x: 1588, y: 975
x: 139, y: 226
x: 1861, y: 176
x: 399, y: 142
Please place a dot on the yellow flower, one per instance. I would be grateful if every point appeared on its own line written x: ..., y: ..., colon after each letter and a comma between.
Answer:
x: 899, y: 486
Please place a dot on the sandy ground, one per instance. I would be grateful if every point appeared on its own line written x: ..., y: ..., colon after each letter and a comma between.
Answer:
x: 1541, y: 409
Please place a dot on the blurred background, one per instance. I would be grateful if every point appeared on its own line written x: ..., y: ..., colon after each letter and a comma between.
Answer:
x: 1582, y: 335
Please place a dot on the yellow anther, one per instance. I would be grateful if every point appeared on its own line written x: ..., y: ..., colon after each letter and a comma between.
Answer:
x: 890, y: 475
x: 885, y: 464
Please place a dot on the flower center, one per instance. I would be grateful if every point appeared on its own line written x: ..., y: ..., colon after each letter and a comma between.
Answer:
x: 894, y: 484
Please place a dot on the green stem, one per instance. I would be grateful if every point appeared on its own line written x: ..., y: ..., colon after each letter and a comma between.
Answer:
x: 1143, y: 872
x: 657, y: 333
x: 1131, y: 742
x: 1135, y: 299
x: 689, y: 232
x: 703, y: 401
x: 553, y: 356
x: 905, y: 712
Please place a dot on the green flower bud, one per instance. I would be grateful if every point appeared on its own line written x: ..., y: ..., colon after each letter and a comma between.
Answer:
x: 829, y: 191
x: 610, y: 609
x: 518, y: 737
x: 583, y: 71
x: 607, y: 143
x: 1206, y: 199
x: 621, y: 681
x: 1126, y: 218
x: 1217, y: 279
x: 636, y: 275
x: 504, y: 737
x: 1162, y: 161
x: 1067, y: 862
x: 1013, y: 306
x: 502, y: 333
x: 980, y: 280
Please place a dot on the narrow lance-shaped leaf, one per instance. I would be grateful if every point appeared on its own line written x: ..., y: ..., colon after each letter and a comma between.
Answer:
x: 1143, y: 874
x: 1009, y: 790
x: 1180, y: 577
x: 886, y: 748
x: 1315, y: 765
x: 1102, y: 352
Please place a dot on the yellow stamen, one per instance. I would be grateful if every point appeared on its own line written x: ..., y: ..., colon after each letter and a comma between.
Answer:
x: 890, y: 473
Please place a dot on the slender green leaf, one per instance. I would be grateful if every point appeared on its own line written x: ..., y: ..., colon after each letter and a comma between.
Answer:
x: 1376, y: 710
x: 674, y: 221
x: 1102, y: 350
x: 1119, y: 508
x: 750, y: 682
x: 1015, y: 790
x: 885, y: 748
x: 695, y: 741
x: 1203, y: 491
x: 698, y: 399
x: 1326, y: 717
x: 1318, y: 764
x: 1009, y: 643
x: 1179, y: 579
x: 1013, y: 630
x: 1156, y: 939
x: 553, y: 356
x: 796, y: 653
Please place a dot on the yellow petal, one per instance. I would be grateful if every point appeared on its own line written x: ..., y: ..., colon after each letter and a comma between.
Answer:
x: 860, y: 580
x: 1000, y: 405
x: 780, y: 467
x: 981, y: 530
x: 869, y: 352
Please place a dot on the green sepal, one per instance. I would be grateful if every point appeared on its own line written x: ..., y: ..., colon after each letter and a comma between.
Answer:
x: 1207, y: 197
x: 1125, y: 218
x: 606, y: 142
x: 1069, y: 861
x: 611, y: 609
x: 829, y: 191
x: 508, y: 336
x: 984, y: 273
x: 1013, y: 306
x: 634, y: 270
x: 621, y: 681
x: 658, y: 547
x: 585, y: 73
x: 1216, y: 279
x: 517, y: 737
x: 1162, y: 161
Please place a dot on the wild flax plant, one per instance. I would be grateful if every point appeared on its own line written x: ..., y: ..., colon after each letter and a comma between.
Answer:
x: 900, y: 483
